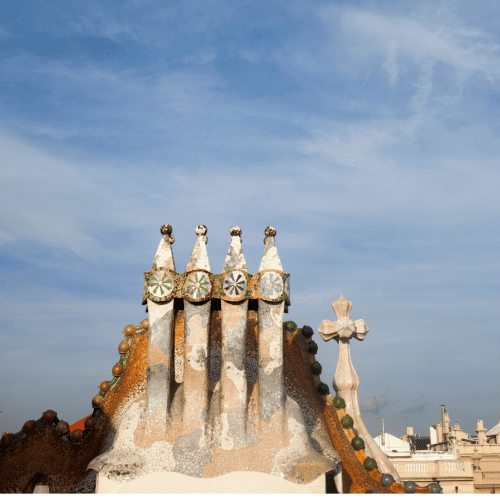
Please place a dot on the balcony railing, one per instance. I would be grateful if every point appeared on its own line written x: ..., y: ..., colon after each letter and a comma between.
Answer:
x: 417, y: 467
x: 455, y: 467
x: 436, y: 468
x: 490, y: 476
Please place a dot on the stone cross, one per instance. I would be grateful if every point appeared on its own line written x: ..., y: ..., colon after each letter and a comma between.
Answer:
x: 346, y: 381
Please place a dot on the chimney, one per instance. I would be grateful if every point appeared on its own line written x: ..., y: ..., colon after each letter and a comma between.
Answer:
x: 409, y: 431
x: 439, y: 432
x: 444, y: 429
x: 481, y: 438
x: 446, y: 424
x: 457, y: 432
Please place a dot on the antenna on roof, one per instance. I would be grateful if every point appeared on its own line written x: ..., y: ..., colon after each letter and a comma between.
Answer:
x: 378, y: 426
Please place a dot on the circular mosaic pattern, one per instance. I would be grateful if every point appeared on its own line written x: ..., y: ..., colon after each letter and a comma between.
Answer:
x: 235, y: 284
x: 410, y: 486
x: 386, y: 480
x: 290, y: 326
x: 270, y: 231
x: 160, y: 284
x: 270, y: 285
x: 198, y: 285
x: 166, y: 229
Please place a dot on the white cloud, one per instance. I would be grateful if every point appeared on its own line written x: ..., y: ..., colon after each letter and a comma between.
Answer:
x: 204, y: 55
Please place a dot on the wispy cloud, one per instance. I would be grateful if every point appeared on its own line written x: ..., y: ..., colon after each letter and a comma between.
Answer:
x: 367, y: 136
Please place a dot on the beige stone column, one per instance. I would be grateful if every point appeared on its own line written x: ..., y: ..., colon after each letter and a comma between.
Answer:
x: 196, y: 338
x: 233, y: 379
x: 271, y: 375
x: 161, y: 328
x: 346, y: 381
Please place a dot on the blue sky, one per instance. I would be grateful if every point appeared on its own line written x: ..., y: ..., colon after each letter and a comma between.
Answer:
x: 366, y: 133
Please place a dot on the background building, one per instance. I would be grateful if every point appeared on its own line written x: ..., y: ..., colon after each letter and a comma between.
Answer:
x: 458, y: 462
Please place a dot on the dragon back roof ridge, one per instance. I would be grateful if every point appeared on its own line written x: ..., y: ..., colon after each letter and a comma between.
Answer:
x: 251, y: 381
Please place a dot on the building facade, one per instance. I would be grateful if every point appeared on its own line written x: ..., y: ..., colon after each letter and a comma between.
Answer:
x: 450, y: 457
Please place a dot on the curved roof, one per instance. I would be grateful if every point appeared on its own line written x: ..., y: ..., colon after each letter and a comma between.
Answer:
x: 50, y: 452
x: 299, y: 435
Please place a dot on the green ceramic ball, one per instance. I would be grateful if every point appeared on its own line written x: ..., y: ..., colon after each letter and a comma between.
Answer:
x: 307, y: 331
x: 338, y: 403
x: 323, y: 389
x: 312, y: 347
x: 358, y: 443
x: 370, y: 463
x: 386, y: 480
x: 410, y: 486
x: 316, y: 368
x: 347, y: 422
x: 435, y: 488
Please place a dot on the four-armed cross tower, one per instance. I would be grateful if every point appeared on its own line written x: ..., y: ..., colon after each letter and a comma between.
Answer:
x: 346, y: 381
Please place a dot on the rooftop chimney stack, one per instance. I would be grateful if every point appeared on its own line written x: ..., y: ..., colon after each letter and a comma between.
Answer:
x: 445, y: 419
x: 480, y: 430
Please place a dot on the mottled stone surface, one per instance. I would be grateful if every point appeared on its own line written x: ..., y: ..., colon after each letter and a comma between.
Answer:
x: 160, y: 346
x: 196, y: 377
x: 270, y: 382
x: 233, y: 380
x: 229, y: 409
x: 160, y: 370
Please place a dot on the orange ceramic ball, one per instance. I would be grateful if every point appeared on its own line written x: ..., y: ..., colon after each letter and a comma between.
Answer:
x: 129, y: 330
x: 105, y: 386
x: 123, y: 347
x: 117, y: 370
x: 97, y: 401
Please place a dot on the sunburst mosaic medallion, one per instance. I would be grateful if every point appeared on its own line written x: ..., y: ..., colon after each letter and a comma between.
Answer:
x: 198, y: 285
x: 271, y: 285
x: 235, y: 284
x: 160, y: 284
